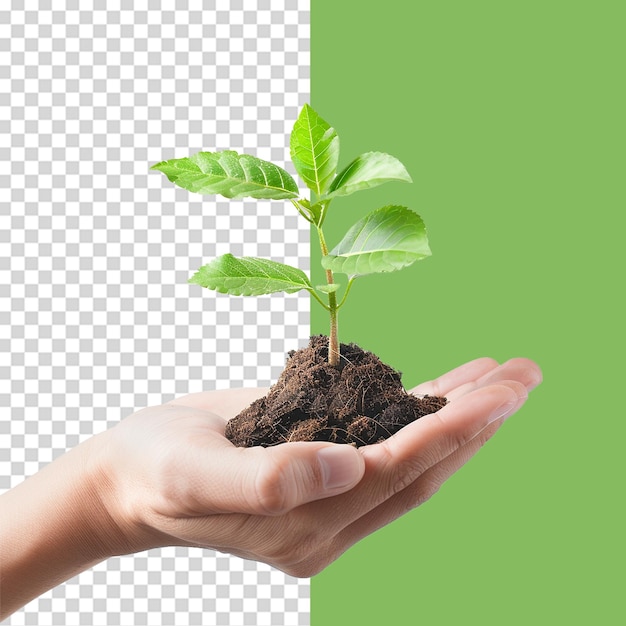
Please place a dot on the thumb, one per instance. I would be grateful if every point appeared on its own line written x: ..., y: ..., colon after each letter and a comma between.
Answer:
x: 274, y: 480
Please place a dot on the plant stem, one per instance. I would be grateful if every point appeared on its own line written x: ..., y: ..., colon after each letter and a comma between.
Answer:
x: 333, y: 337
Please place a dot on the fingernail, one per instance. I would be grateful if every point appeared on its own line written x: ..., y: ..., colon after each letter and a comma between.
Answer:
x: 502, y: 411
x: 340, y: 466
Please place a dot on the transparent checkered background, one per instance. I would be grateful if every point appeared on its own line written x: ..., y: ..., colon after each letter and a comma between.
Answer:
x: 96, y: 316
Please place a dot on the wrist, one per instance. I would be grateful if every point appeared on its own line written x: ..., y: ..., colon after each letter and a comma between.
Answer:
x: 104, y: 526
x: 58, y: 523
x: 114, y: 517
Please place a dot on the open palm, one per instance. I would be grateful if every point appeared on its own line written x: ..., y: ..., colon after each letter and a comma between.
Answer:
x: 297, y: 506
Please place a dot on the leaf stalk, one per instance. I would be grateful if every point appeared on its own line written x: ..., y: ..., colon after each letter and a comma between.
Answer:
x: 346, y: 292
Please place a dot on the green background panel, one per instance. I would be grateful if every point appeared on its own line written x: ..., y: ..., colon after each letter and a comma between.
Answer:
x: 510, y: 118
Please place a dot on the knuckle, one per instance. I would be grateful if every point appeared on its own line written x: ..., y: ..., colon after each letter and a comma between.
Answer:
x: 423, y: 494
x: 403, y: 473
x: 307, y: 559
x: 304, y: 570
x: 300, y: 550
x: 308, y: 544
x: 283, y: 482
x: 409, y: 471
x: 416, y: 498
x: 325, y: 554
x: 291, y: 549
x: 270, y: 495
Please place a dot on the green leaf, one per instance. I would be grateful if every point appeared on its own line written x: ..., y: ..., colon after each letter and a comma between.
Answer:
x: 314, y: 150
x: 368, y: 170
x: 310, y: 212
x: 229, y: 174
x: 331, y: 288
x: 316, y: 212
x: 250, y: 276
x: 387, y: 239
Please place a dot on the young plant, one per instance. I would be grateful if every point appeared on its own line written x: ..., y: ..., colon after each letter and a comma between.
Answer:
x: 385, y: 240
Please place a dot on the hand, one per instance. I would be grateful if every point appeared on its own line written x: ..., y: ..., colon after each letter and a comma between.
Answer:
x: 177, y: 481
x: 166, y: 475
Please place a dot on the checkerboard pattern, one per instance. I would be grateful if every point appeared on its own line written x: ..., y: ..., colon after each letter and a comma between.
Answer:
x: 96, y: 316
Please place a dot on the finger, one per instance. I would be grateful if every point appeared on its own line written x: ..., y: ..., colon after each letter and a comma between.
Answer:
x: 224, y: 402
x: 324, y: 534
x: 467, y: 373
x: 414, y: 494
x: 269, y: 481
x: 432, y: 438
x: 522, y: 370
x: 427, y: 485
x: 321, y: 540
x: 525, y: 371
x: 418, y: 492
x: 394, y: 464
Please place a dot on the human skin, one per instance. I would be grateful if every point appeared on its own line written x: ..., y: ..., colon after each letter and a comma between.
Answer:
x: 166, y: 475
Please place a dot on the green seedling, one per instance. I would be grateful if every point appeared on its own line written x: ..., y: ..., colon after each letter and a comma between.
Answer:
x: 385, y: 240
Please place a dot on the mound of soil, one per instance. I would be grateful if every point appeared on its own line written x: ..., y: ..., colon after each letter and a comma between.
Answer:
x: 361, y: 402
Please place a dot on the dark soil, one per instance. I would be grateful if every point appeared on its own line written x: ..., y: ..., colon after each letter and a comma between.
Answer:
x: 361, y: 402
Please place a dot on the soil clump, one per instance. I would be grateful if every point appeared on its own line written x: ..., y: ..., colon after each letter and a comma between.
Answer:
x: 361, y: 402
